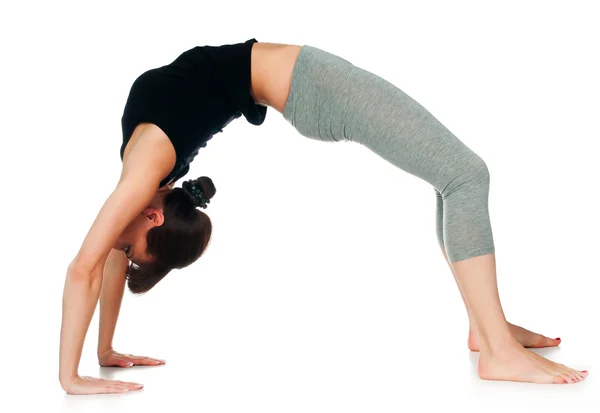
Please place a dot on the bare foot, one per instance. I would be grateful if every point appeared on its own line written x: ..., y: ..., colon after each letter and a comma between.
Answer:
x: 518, y: 364
x: 525, y: 337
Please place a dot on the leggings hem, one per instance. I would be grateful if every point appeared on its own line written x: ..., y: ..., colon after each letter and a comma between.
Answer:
x: 471, y: 254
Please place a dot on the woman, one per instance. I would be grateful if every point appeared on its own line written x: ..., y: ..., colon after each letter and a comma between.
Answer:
x: 172, y: 112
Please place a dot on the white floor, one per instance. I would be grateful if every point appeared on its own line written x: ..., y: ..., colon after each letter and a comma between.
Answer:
x: 323, y: 289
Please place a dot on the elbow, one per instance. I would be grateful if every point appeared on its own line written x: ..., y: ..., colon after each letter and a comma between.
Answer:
x: 78, y: 271
x: 78, y: 277
x: 88, y: 264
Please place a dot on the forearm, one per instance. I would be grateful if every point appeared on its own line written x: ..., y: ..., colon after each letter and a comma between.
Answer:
x: 80, y: 297
x: 111, y: 296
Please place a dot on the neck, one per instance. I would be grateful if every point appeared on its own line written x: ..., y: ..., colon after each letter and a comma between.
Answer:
x: 157, y: 201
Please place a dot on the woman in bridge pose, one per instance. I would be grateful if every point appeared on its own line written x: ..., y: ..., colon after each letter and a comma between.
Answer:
x: 147, y: 227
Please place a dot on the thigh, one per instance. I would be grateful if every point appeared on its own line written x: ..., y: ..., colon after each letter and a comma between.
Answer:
x: 377, y: 114
x: 333, y: 100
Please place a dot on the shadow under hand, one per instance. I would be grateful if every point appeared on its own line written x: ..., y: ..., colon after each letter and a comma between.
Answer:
x: 117, y: 373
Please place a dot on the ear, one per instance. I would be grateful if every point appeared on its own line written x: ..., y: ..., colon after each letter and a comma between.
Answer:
x: 154, y: 215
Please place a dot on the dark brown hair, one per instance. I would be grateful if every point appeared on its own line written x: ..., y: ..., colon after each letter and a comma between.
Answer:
x: 179, y: 241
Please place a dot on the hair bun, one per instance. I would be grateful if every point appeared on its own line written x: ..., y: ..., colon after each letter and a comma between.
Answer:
x: 200, y: 190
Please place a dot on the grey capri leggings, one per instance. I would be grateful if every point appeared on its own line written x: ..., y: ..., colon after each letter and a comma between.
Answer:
x: 332, y: 100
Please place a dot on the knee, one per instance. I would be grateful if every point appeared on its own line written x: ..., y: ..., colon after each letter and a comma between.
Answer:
x: 469, y: 175
x: 478, y: 170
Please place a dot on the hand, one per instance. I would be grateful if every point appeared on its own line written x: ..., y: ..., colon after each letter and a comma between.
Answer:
x: 111, y: 358
x: 92, y: 385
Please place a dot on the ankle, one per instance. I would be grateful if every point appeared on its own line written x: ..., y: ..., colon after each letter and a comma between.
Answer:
x: 498, y: 344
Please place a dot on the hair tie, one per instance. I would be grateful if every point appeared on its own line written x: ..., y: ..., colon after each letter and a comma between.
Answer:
x: 198, y: 197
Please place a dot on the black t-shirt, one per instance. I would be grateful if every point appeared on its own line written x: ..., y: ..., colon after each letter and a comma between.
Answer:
x: 193, y: 98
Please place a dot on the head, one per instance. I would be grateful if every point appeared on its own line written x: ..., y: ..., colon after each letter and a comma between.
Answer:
x: 170, y: 233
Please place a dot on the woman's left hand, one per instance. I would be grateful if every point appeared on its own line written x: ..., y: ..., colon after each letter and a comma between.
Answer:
x: 111, y: 358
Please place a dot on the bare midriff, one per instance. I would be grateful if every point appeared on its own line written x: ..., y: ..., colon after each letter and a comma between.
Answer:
x: 271, y: 73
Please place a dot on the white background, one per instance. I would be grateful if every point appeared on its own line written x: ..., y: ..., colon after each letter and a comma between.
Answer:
x: 323, y: 289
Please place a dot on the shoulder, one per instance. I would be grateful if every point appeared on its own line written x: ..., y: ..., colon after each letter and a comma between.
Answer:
x: 149, y: 145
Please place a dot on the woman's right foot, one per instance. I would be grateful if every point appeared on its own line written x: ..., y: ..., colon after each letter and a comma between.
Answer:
x: 518, y: 364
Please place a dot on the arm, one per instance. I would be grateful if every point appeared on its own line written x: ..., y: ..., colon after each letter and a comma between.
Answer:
x: 150, y: 159
x: 111, y: 296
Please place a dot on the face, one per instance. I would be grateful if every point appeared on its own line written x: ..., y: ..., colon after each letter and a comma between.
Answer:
x: 133, y: 240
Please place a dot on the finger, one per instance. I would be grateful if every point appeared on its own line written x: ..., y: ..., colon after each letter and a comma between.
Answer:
x: 157, y: 360
x: 139, y: 359
x: 130, y: 361
x: 99, y: 389
x: 93, y: 385
x: 115, y: 389
x: 120, y: 383
x: 144, y: 361
x: 118, y: 363
x: 131, y: 356
x: 115, y: 362
x: 130, y: 386
x: 127, y: 383
x: 122, y: 358
x: 118, y: 389
x: 147, y: 362
x: 133, y: 386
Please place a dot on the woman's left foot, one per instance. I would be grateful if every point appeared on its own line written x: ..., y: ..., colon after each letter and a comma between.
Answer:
x: 525, y: 337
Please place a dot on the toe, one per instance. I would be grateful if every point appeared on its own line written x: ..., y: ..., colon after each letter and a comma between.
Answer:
x: 548, y: 342
x: 553, y: 341
x: 571, y: 377
x: 540, y: 341
x: 558, y: 380
x: 566, y: 377
x: 577, y: 375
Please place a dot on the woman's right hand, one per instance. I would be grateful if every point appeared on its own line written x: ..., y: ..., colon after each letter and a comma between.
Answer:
x: 93, y: 385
